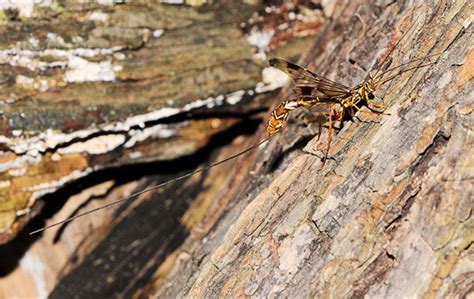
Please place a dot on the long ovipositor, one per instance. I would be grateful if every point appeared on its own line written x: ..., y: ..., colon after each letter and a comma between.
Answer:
x: 310, y: 89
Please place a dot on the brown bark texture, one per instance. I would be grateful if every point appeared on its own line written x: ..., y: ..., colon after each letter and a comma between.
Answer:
x: 102, y: 99
x: 389, y: 214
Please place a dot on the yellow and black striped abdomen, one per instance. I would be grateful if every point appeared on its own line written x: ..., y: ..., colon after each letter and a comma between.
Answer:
x: 278, y: 118
x: 280, y: 114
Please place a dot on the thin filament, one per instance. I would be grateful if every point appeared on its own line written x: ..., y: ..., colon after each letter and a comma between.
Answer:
x: 401, y: 72
x: 403, y: 64
x: 150, y: 189
x: 391, y: 51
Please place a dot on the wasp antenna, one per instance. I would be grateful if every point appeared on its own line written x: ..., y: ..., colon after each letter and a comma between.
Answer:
x: 151, y: 188
x: 404, y: 64
x: 391, y: 50
x: 401, y: 72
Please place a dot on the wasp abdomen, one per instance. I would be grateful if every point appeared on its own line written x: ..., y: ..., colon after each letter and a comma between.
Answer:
x: 280, y: 114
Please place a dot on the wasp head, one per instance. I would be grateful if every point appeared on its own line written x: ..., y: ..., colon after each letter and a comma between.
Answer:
x: 369, y: 89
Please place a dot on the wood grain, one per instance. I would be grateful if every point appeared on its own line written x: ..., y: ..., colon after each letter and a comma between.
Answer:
x: 390, y: 215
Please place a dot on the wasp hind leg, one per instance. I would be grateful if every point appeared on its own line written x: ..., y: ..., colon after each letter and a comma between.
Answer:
x: 320, y: 129
x: 336, y: 115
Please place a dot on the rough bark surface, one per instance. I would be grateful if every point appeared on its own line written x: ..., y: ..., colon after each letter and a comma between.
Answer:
x: 389, y: 215
x: 87, y: 87
x: 99, y: 100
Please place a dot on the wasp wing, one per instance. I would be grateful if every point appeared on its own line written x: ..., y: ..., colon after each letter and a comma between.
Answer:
x: 309, y: 84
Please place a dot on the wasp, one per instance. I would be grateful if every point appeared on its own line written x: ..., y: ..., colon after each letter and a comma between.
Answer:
x: 312, y: 89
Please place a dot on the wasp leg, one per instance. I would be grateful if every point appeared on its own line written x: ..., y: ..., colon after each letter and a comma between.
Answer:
x: 379, y: 106
x: 331, y: 114
x: 320, y: 128
x: 340, y: 116
x: 352, y: 112
x: 375, y: 108
x: 311, y: 119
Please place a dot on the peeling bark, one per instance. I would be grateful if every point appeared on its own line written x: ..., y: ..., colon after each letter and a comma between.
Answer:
x: 389, y: 215
x: 90, y: 87
x: 99, y: 100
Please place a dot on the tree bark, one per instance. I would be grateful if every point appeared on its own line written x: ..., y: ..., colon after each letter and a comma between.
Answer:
x: 100, y: 100
x: 389, y: 214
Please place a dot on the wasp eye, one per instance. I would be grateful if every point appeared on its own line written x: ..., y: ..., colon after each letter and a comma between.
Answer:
x: 371, y: 96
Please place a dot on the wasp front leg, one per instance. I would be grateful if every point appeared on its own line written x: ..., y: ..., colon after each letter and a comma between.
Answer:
x: 376, y: 108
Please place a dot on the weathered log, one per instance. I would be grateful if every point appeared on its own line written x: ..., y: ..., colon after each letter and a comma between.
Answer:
x: 96, y: 96
x: 89, y: 87
x: 390, y: 215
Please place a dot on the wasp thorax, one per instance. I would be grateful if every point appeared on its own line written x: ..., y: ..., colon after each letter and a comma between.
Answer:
x: 368, y: 90
x: 370, y: 96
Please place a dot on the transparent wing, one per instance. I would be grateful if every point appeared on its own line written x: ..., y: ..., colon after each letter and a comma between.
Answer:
x: 309, y: 84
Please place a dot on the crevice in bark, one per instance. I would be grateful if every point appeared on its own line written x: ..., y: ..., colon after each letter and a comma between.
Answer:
x: 421, y: 165
x: 53, y: 202
x: 390, y: 256
x: 373, y: 274
x: 404, y: 210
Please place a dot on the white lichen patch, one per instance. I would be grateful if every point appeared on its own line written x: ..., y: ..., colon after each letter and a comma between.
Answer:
x: 235, y: 97
x: 158, y: 33
x: 33, y: 41
x: 34, y: 267
x: 98, y: 16
x: 17, y: 171
x: 106, y: 2
x: 55, y: 38
x: 5, y: 184
x: 294, y: 250
x: 22, y: 212
x: 95, y: 146
x: 140, y: 120
x: 209, y: 102
x: 158, y: 131
x: 17, y: 166
x: 272, y: 78
x: 177, y: 2
x: 42, y: 85
x: 81, y: 70
x: 56, y: 157
x: 32, y: 59
x: 45, y: 140
x: 260, y: 39
x: 49, y: 187
x: 24, y: 81
x: 24, y: 7
x: 135, y: 155
x: 117, y: 68
x: 17, y: 133
x: 120, y: 56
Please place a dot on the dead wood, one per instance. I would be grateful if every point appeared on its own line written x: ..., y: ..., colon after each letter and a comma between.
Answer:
x: 390, y: 214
